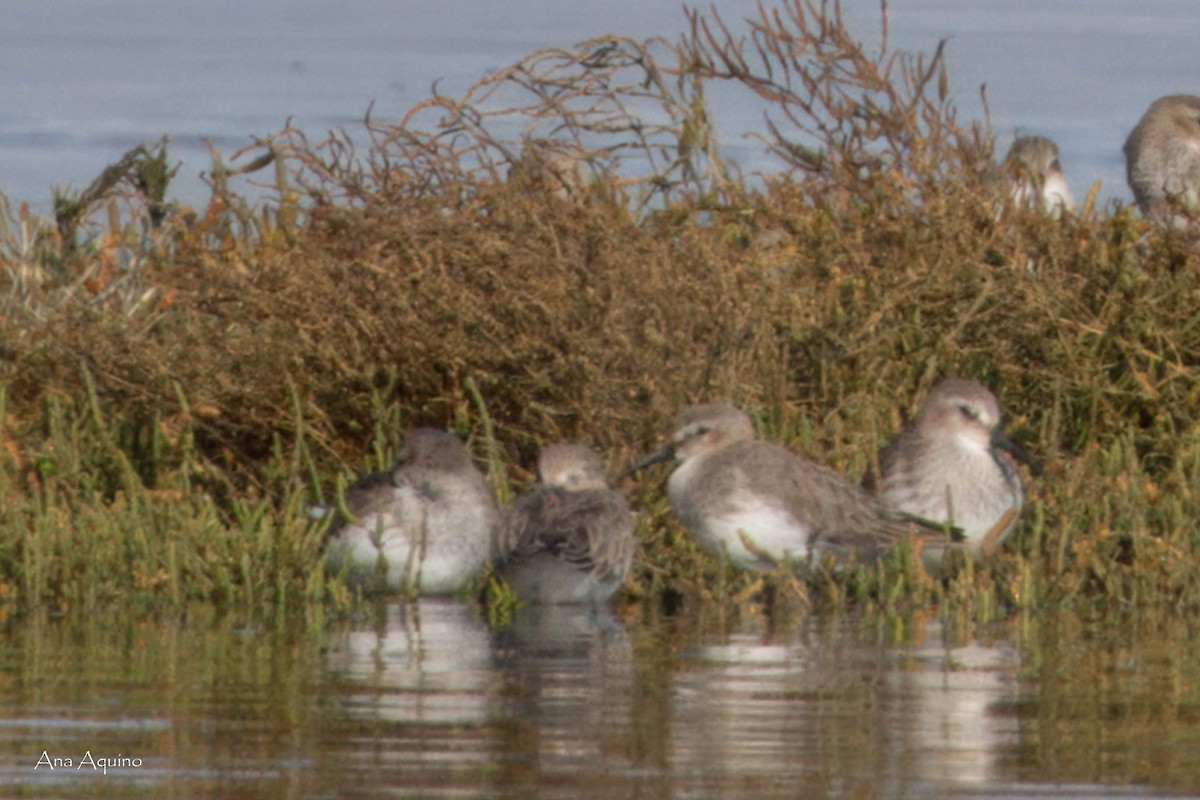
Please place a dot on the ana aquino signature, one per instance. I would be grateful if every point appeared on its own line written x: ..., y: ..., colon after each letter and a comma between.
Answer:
x: 101, y: 763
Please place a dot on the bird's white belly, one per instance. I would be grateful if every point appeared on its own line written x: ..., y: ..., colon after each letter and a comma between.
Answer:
x: 770, y: 530
x: 427, y: 546
x: 720, y: 523
x: 974, y: 501
x: 1056, y: 195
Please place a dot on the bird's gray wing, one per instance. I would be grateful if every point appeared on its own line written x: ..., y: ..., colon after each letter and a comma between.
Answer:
x: 590, y: 530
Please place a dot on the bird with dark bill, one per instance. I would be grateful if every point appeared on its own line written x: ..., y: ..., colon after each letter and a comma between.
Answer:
x: 761, y: 504
x: 954, y: 465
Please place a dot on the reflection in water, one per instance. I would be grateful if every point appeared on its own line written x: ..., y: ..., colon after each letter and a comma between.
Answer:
x: 1113, y: 699
x: 835, y: 709
x: 425, y: 700
x: 567, y: 705
x: 946, y: 705
x: 424, y: 663
x: 739, y: 716
x: 207, y: 706
x: 405, y: 700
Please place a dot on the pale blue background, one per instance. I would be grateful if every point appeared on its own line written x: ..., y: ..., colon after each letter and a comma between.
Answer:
x: 84, y: 81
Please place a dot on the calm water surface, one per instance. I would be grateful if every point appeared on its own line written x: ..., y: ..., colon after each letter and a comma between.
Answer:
x: 428, y: 701
x: 86, y: 81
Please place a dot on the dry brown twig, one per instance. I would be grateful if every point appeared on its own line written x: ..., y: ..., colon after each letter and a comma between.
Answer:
x: 632, y: 117
x: 605, y: 112
x: 857, y: 121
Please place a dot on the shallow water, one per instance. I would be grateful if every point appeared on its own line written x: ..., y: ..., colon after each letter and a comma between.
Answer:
x: 85, y: 82
x: 427, y: 701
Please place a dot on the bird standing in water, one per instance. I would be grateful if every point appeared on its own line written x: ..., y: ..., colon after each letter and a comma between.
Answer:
x: 569, y: 538
x: 422, y: 527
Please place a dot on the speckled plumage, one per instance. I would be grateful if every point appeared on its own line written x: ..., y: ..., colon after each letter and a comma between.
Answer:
x: 952, y: 465
x: 729, y: 488
x: 569, y: 538
x: 431, y: 518
x: 1162, y: 157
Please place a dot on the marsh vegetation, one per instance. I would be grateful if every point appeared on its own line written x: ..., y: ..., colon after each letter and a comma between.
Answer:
x: 564, y: 253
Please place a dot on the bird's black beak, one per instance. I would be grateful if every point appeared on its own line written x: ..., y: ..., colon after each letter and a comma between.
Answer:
x: 1001, y: 441
x: 665, y: 454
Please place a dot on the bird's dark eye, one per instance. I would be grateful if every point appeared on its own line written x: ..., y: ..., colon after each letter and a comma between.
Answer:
x: 970, y: 412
